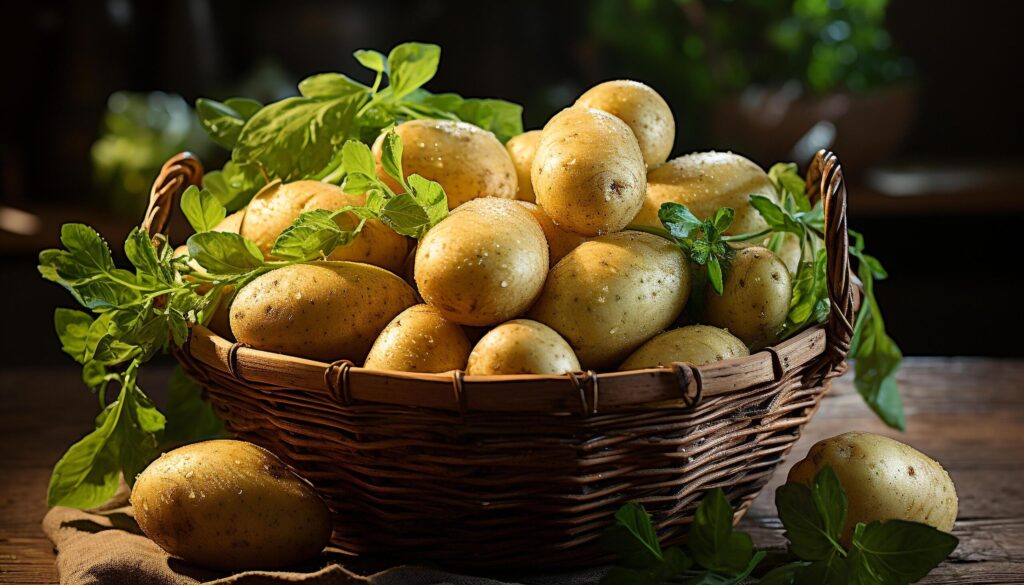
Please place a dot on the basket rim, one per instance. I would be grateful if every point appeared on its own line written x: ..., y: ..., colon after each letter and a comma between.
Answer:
x: 681, y: 385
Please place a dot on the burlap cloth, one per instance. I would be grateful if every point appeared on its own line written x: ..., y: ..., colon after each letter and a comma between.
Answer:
x: 106, y: 547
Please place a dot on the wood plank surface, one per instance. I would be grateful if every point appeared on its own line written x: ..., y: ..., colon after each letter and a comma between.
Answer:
x: 967, y: 413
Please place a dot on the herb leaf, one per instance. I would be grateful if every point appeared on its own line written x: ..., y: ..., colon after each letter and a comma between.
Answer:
x: 329, y: 85
x: 712, y: 541
x: 813, y: 518
x: 224, y: 252
x: 235, y: 184
x: 897, y: 551
x: 223, y: 122
x: 189, y: 417
x: 202, y: 210
x: 410, y: 65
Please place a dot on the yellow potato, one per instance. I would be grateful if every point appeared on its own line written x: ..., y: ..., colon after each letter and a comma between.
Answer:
x: 483, y: 264
x: 420, y: 339
x: 639, y: 106
x: 277, y: 205
x: 883, y: 479
x: 522, y: 149
x: 695, y: 344
x: 230, y: 505
x: 705, y: 181
x: 467, y: 161
x: 755, y: 297
x: 588, y: 173
x: 522, y: 346
x: 560, y: 242
x: 321, y: 310
x: 613, y: 293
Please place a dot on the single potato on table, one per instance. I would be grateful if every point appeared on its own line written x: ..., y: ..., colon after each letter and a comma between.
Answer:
x: 560, y: 241
x: 755, y: 297
x: 613, y: 293
x: 640, y: 107
x: 483, y: 264
x: 522, y: 346
x: 883, y: 480
x: 277, y: 205
x: 589, y: 174
x: 321, y: 310
x: 420, y: 339
x: 467, y: 161
x: 231, y: 506
x: 695, y: 344
x: 522, y: 148
x: 705, y: 181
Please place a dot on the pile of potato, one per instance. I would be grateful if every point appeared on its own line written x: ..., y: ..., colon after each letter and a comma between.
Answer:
x: 535, y: 270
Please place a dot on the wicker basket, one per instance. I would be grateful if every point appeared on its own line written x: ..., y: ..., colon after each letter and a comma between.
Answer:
x: 523, y: 471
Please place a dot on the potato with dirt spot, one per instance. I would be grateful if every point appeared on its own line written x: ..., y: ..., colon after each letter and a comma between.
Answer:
x: 560, y: 241
x: 755, y: 297
x: 467, y: 161
x: 483, y: 264
x: 522, y: 148
x: 884, y: 479
x: 645, y: 112
x: 522, y: 346
x: 278, y: 204
x: 420, y: 339
x: 231, y: 506
x: 705, y: 181
x: 321, y: 310
x: 695, y: 344
x: 588, y: 174
x: 613, y: 293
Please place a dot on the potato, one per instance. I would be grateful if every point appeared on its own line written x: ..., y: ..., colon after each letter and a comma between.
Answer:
x: 613, y: 293
x: 522, y: 149
x: 483, y: 264
x: 560, y: 242
x: 420, y: 339
x: 277, y: 205
x: 755, y: 297
x: 639, y: 106
x: 588, y: 173
x: 467, y: 161
x: 230, y: 505
x: 705, y: 181
x: 695, y: 344
x: 883, y: 479
x: 320, y: 310
x: 522, y: 346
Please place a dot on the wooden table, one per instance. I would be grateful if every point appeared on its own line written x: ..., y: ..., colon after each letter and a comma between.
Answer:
x: 967, y: 413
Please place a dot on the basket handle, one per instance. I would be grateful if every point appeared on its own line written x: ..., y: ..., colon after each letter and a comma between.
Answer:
x: 825, y: 181
x: 178, y: 173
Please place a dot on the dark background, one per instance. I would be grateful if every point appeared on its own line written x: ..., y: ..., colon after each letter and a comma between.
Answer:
x: 950, y: 245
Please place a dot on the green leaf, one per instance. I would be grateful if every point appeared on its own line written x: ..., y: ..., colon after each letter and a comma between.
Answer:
x: 833, y: 570
x: 410, y: 66
x: 391, y: 157
x: 111, y: 351
x: 776, y: 217
x: 224, y: 253
x: 673, y: 563
x: 234, y: 185
x: 679, y: 220
x: 504, y: 119
x: 813, y: 518
x: 715, y: 275
x: 405, y: 215
x: 783, y: 575
x: 330, y: 85
x: 712, y: 541
x: 356, y: 157
x: 314, y: 234
x: 297, y: 137
x: 633, y: 537
x: 789, y: 184
x: 897, y: 551
x: 722, y: 218
x: 202, y: 210
x: 189, y: 417
x: 138, y: 247
x: 810, y: 302
x: 359, y: 183
x: 712, y: 578
x: 431, y: 197
x: 73, y: 330
x: 372, y: 60
x: 223, y: 122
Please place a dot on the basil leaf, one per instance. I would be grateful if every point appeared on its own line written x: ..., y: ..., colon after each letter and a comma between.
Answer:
x: 235, y: 184
x: 372, y: 60
x: 359, y: 183
x: 224, y: 253
x: 833, y: 570
x: 189, y: 417
x: 111, y: 351
x: 202, y: 210
x: 223, y: 122
x: 789, y: 184
x: 73, y: 330
x: 813, y: 518
x: 712, y: 541
x: 897, y: 551
x: 329, y: 85
x: 775, y: 216
x: 405, y: 215
x: 356, y: 157
x: 431, y: 197
x: 679, y: 220
x: 410, y: 66
x: 633, y: 538
x: 391, y: 157
x: 503, y: 119
x: 314, y: 234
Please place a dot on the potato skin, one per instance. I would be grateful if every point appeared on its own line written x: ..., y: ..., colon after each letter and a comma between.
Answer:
x: 277, y: 205
x: 522, y: 149
x: 560, y: 242
x: 320, y: 310
x: 420, y: 339
x: 522, y: 346
x: 613, y: 293
x: 230, y: 505
x: 705, y: 181
x: 483, y: 264
x: 467, y: 161
x: 755, y: 297
x: 588, y: 173
x: 640, y: 107
x: 696, y: 344
x: 884, y: 479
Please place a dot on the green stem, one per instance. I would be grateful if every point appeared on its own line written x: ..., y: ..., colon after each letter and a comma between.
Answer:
x: 745, y: 237
x: 657, y: 231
